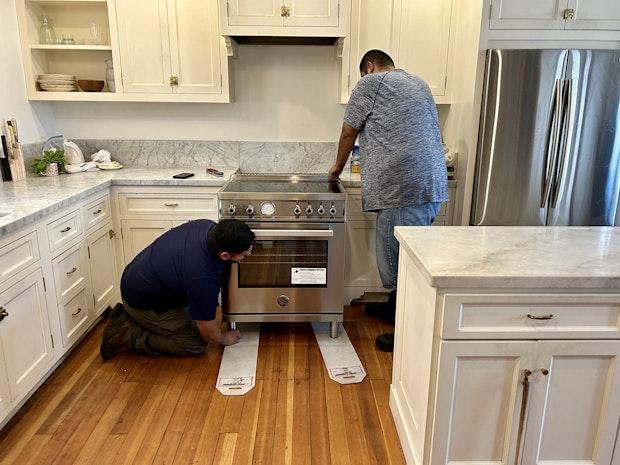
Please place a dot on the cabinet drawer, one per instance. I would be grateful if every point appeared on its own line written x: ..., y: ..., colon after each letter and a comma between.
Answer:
x: 17, y: 255
x: 162, y: 204
x: 70, y: 271
x: 63, y: 230
x: 74, y: 316
x: 534, y: 316
x: 96, y: 213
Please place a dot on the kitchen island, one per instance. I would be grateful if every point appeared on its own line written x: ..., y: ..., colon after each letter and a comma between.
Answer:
x: 507, y: 345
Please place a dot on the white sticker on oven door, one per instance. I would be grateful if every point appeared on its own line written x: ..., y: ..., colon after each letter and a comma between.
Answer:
x: 308, y: 275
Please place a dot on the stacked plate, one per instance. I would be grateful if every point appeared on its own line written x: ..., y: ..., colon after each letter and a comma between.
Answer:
x: 57, y: 82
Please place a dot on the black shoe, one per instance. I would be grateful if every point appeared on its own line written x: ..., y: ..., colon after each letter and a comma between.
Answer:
x: 385, y: 311
x: 385, y: 342
x: 114, y: 332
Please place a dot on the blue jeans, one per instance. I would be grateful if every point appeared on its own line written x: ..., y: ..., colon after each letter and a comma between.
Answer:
x: 387, y: 245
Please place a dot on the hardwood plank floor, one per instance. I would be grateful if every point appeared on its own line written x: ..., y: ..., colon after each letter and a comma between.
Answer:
x: 135, y: 409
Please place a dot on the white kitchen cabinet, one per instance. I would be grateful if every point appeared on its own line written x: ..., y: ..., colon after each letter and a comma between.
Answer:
x: 170, y: 46
x: 421, y: 41
x: 461, y: 358
x: 25, y: 338
x: 5, y: 395
x: 138, y: 234
x: 102, y: 267
x: 361, y: 272
x: 75, y: 316
x: 555, y: 14
x: 291, y: 18
x: 574, y: 410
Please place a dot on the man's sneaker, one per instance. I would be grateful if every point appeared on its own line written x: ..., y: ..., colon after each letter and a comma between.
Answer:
x: 385, y: 342
x: 114, y: 332
x: 385, y: 311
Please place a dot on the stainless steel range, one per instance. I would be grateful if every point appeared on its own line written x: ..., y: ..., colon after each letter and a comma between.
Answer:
x: 296, y: 269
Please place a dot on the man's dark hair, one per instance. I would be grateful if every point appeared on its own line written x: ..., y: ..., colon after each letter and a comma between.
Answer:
x: 378, y: 57
x: 232, y: 236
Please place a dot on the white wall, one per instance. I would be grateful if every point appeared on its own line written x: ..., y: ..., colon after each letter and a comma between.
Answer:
x: 35, y: 121
x: 282, y: 93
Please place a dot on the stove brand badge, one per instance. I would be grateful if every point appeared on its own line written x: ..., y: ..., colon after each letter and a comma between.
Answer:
x: 283, y: 301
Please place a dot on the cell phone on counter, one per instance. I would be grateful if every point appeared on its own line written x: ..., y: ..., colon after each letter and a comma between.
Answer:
x: 214, y: 172
x: 183, y: 175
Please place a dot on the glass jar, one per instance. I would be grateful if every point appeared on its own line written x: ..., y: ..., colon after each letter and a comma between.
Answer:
x: 47, y: 35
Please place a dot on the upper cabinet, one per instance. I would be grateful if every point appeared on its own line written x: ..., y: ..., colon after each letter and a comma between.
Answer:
x: 153, y: 50
x: 555, y: 14
x: 288, y: 18
x: 421, y: 41
x: 416, y: 33
x: 169, y: 46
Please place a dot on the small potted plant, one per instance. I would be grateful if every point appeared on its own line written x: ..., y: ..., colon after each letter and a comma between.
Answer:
x: 52, y: 163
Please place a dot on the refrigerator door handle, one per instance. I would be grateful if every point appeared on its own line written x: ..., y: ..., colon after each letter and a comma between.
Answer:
x: 568, y: 108
x: 552, y: 142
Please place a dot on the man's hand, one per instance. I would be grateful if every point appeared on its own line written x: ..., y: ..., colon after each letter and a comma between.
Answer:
x: 335, y: 171
x: 230, y: 337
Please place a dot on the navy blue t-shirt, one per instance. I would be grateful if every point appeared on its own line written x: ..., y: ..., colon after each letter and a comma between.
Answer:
x: 178, y: 270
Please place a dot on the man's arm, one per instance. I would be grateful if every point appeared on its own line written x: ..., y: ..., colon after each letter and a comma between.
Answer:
x: 345, y: 145
x: 211, y: 332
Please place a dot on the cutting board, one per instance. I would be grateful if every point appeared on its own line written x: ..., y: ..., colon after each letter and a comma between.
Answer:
x: 14, y: 149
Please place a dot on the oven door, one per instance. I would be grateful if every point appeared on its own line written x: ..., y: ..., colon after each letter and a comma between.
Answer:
x: 294, y: 269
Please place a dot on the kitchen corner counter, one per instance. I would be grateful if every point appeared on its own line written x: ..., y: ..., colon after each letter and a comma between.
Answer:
x: 515, y: 257
x: 28, y: 201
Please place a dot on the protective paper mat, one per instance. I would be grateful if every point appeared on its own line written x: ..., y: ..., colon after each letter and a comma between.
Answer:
x: 237, y: 374
x: 339, y: 356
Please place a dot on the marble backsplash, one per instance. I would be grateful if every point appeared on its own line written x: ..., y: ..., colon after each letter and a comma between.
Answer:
x: 249, y: 157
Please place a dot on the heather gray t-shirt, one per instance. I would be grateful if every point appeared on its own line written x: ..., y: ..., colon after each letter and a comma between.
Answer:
x: 401, y: 154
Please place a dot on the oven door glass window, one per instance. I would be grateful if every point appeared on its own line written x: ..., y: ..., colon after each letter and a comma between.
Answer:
x: 285, y: 263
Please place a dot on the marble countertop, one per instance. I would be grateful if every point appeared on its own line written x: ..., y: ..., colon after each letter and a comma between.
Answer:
x: 28, y: 201
x: 349, y: 179
x: 515, y: 257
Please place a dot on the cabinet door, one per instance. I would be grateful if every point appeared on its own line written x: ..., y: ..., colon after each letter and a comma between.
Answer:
x: 195, y: 46
x: 527, y: 14
x: 574, y: 411
x: 421, y: 40
x: 595, y: 14
x: 360, y: 254
x: 138, y: 234
x: 25, y: 337
x: 144, y: 46
x: 102, y: 267
x: 254, y: 12
x: 478, y: 401
x: 371, y: 27
x: 312, y: 13
x: 5, y: 396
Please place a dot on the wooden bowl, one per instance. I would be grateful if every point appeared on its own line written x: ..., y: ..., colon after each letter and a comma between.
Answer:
x: 88, y: 85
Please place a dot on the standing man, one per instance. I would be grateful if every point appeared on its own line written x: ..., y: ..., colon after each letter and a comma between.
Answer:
x: 403, y: 173
x: 170, y: 291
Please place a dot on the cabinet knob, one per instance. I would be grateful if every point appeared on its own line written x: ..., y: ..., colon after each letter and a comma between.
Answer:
x: 3, y: 313
x: 174, y: 80
x: 544, y: 371
x: 569, y: 13
x: 285, y: 11
x: 112, y: 234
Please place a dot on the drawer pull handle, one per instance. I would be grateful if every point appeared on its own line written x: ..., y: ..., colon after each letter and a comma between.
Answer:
x: 70, y: 272
x: 79, y: 310
x: 96, y: 212
x: 67, y: 229
x: 171, y: 204
x: 540, y: 317
x: 3, y: 313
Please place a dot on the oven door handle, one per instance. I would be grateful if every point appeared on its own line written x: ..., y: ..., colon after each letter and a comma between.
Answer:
x: 292, y: 233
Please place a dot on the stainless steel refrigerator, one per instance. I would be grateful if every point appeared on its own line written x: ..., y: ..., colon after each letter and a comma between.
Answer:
x: 549, y: 142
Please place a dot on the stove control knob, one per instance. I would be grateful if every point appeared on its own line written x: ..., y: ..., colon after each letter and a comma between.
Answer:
x: 309, y: 210
x: 297, y: 210
x: 332, y: 211
x: 321, y: 210
x: 250, y: 210
x: 232, y: 209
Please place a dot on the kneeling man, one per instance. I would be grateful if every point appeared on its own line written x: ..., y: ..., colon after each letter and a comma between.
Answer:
x: 170, y: 291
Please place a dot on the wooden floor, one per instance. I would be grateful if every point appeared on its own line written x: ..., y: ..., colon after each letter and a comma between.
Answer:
x: 135, y: 409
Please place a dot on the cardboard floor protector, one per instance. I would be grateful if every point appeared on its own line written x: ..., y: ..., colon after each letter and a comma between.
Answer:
x: 237, y: 374
x: 339, y: 356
